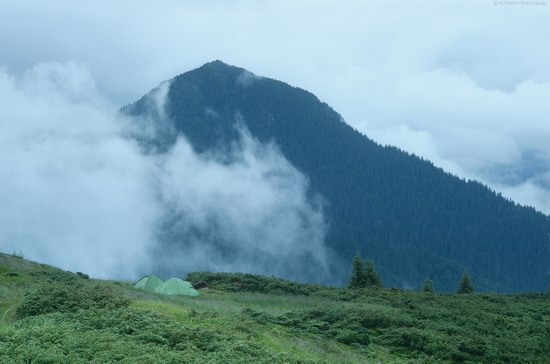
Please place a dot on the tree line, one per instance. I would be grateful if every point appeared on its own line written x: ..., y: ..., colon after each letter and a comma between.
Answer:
x: 364, y: 275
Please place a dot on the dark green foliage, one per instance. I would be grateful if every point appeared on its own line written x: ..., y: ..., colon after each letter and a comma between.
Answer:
x: 427, y: 285
x: 465, y: 285
x: 345, y: 326
x: 357, y: 279
x: 250, y: 283
x: 82, y: 275
x: 363, y: 274
x: 486, y: 328
x: 228, y: 325
x: 371, y: 277
x: 125, y: 335
x: 65, y: 319
x: 54, y: 276
x: 412, y: 218
x: 244, y: 282
x: 59, y: 297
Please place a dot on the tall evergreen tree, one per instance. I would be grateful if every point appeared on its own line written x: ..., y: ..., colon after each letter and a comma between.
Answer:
x: 427, y: 285
x: 357, y: 275
x: 466, y: 285
x: 371, y: 277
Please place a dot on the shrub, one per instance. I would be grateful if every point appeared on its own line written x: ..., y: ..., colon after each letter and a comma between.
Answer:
x: 82, y: 275
x: 58, y: 297
x: 346, y: 326
x: 126, y: 335
x: 54, y: 276
x: 349, y: 337
x: 251, y: 283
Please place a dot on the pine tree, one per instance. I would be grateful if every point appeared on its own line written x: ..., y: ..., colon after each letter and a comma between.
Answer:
x: 466, y: 285
x: 357, y: 275
x: 371, y: 277
x: 427, y: 285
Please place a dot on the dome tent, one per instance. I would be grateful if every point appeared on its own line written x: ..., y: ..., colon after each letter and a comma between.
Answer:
x: 149, y: 283
x: 177, y: 287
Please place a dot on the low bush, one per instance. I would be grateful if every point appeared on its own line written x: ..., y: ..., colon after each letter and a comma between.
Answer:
x: 126, y: 335
x: 58, y: 297
x: 250, y: 283
x: 82, y: 275
x: 53, y: 276
x: 342, y: 325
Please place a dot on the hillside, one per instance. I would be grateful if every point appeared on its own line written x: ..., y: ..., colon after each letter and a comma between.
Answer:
x: 53, y: 316
x: 413, y: 219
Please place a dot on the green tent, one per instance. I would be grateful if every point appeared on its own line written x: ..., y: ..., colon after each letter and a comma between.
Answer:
x: 149, y: 283
x: 177, y: 287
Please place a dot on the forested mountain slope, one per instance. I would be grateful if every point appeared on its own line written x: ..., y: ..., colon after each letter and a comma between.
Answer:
x: 413, y: 219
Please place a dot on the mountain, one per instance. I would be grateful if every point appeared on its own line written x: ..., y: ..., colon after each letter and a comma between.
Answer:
x: 412, y: 218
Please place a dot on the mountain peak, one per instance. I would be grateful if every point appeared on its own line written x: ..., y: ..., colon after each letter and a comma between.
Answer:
x: 212, y: 73
x: 218, y: 66
x: 216, y: 63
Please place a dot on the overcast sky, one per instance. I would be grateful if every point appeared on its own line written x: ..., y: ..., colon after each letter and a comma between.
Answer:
x: 465, y: 84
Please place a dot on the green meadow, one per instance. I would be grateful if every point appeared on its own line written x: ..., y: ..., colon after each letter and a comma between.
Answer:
x: 52, y: 316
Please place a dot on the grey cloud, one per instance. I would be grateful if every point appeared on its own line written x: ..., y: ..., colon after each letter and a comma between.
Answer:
x: 246, y: 78
x: 74, y: 192
x: 248, y: 210
x: 472, y: 96
x: 80, y: 192
x: 468, y: 130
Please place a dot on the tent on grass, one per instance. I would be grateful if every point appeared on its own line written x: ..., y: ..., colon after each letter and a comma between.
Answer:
x: 149, y: 283
x: 177, y: 287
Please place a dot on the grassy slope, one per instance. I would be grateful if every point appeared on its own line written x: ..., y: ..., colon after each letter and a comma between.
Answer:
x: 250, y: 319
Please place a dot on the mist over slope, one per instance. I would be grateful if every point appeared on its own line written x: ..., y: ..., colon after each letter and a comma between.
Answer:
x: 75, y: 191
x: 79, y: 191
x: 412, y: 218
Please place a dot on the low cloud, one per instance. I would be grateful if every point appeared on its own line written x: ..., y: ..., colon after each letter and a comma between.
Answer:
x: 495, y: 136
x: 81, y: 193
x: 475, y: 91
x: 244, y: 211
x: 74, y: 191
